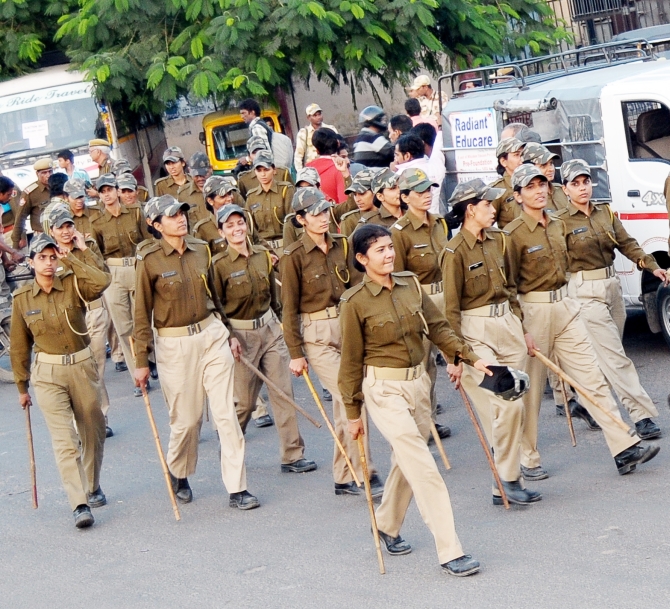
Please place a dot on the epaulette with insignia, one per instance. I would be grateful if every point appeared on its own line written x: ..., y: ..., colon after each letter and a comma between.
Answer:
x: 255, y: 191
x: 30, y: 188
x: 150, y: 249
x: 220, y: 255
x: 161, y: 180
x: 403, y: 274
x: 351, y: 291
x: 513, y: 225
x: 22, y: 289
x: 350, y: 213
x: 194, y: 240
x: 402, y: 223
x: 293, y: 247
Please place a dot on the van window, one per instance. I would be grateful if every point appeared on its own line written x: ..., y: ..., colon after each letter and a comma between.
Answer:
x: 648, y: 129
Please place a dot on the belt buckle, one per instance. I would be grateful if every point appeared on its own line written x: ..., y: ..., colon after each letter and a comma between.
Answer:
x: 494, y: 310
x: 193, y: 329
x: 258, y: 323
x: 328, y: 311
x: 67, y: 359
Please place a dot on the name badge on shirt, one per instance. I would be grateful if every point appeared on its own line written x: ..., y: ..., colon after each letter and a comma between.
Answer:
x: 581, y: 229
x: 217, y: 241
x: 535, y: 248
x: 33, y: 312
x: 255, y: 206
x: 168, y: 274
x: 238, y: 274
x: 476, y: 265
x: 420, y: 245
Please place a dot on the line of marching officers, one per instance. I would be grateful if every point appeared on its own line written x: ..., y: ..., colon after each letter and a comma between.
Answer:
x: 199, y: 275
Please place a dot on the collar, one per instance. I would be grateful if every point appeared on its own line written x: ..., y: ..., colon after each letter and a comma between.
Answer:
x: 168, y: 249
x: 532, y: 223
x: 385, y: 213
x: 57, y: 285
x: 190, y: 184
x: 416, y: 223
x: 572, y: 209
x: 233, y: 254
x: 108, y: 216
x: 471, y: 240
x: 274, y: 187
x: 375, y: 289
x: 309, y: 244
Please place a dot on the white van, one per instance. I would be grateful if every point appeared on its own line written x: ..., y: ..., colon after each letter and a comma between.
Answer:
x: 608, y: 104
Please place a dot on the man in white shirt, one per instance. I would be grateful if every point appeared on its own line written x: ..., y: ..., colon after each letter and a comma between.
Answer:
x: 410, y: 152
x: 304, y: 149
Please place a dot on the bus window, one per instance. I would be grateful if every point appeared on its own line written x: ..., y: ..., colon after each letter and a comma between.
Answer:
x: 648, y: 129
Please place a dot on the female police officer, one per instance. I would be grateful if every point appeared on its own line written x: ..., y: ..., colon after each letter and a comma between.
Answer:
x: 192, y: 351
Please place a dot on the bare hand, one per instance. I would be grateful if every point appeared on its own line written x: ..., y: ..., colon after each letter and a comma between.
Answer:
x: 455, y: 373
x: 483, y: 366
x: 22, y: 243
x: 60, y: 254
x: 274, y: 259
x: 662, y: 275
x: 235, y: 348
x: 356, y: 428
x: 80, y: 241
x: 142, y: 377
x: 25, y: 401
x: 298, y: 365
x: 91, y: 193
x: 530, y: 344
x: 17, y: 256
x: 341, y: 164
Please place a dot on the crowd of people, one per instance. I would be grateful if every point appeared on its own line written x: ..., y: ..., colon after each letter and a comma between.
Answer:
x: 312, y: 260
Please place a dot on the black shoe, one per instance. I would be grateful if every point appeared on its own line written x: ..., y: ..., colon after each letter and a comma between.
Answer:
x: 439, y: 360
x: 439, y: 409
x: 579, y: 412
x: 121, y: 367
x: 376, y: 486
x: 264, y: 421
x: 443, y: 431
x: 627, y: 460
x: 96, y: 499
x: 153, y: 371
x: 137, y: 391
x: 516, y: 494
x: 534, y: 473
x: 181, y: 489
x: 300, y: 466
x: 348, y: 488
x: 108, y: 352
x: 560, y: 410
x: 647, y: 429
x: 395, y: 546
x: 83, y: 517
x: 243, y: 500
x: 327, y: 396
x: 461, y: 567
x: 109, y: 432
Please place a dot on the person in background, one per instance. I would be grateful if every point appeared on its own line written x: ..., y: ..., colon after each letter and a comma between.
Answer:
x: 410, y: 154
x: 304, y: 149
x: 66, y: 163
x: 433, y: 150
x: 278, y: 143
x: 246, y: 178
x: 343, y: 153
x: 509, y: 154
x: 400, y: 124
x: 333, y: 170
x: 413, y: 110
x: 372, y: 148
x: 422, y: 90
x: 99, y: 151
x: 34, y: 200
x: 200, y: 168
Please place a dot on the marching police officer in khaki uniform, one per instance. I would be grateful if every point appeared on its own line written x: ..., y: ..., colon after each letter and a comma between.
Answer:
x: 361, y: 190
x: 594, y: 235
x: 118, y: 230
x: 509, y: 154
x: 419, y: 238
x: 247, y: 180
x: 174, y: 289
x: 383, y: 322
x: 537, y: 267
x: 479, y: 310
x: 75, y: 188
x: 177, y: 178
x: 544, y: 159
x: 244, y: 280
x: 129, y: 192
x: 200, y: 169
x: 34, y: 200
x: 314, y: 276
x: 48, y: 317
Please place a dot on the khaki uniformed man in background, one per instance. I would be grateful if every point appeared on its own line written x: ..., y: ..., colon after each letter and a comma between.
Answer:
x: 99, y: 150
x: 247, y: 180
x: 419, y: 238
x: 48, y: 316
x: 304, y: 149
x: 429, y: 99
x: 594, y: 235
x: 537, y: 267
x: 479, y: 310
x: 509, y: 154
x: 383, y: 322
x: 314, y: 276
x: 174, y: 294
x: 361, y: 190
x: 118, y: 230
x: 244, y: 279
x: 34, y: 200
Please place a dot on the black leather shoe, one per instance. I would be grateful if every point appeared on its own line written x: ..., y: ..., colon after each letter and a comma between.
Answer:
x: 348, y: 488
x: 121, y: 367
x: 96, y: 499
x: 243, y: 500
x: 300, y: 466
x: 153, y: 371
x: 534, y: 473
x: 137, y: 392
x: 83, y: 517
x: 647, y: 429
x: 560, y: 410
x: 439, y: 360
x: 461, y: 567
x: 264, y: 421
x: 108, y: 431
x: 439, y: 409
x: 443, y: 431
x: 627, y: 460
x: 376, y: 486
x: 517, y: 495
x: 327, y: 396
x: 395, y: 546
x: 108, y: 352
x: 181, y: 489
x: 579, y: 412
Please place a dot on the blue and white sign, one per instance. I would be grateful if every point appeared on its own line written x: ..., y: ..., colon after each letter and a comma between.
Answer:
x: 474, y: 137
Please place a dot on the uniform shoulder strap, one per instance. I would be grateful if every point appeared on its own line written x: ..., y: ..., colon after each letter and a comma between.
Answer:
x: 293, y: 247
x: 351, y: 292
x: 142, y: 252
x: 219, y: 256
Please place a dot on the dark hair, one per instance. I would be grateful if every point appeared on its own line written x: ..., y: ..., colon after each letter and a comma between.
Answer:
x: 500, y: 170
x: 250, y: 105
x: 67, y: 155
x: 341, y: 142
x: 6, y: 185
x: 56, y: 183
x: 426, y: 132
x: 325, y: 141
x: 411, y: 144
x: 401, y: 122
x: 154, y: 232
x: 412, y: 107
x: 363, y: 238
x: 294, y: 218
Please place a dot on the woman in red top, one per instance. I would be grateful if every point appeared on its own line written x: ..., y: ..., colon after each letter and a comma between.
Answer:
x: 332, y: 169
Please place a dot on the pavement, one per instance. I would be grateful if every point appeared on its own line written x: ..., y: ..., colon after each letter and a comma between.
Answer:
x: 596, y: 540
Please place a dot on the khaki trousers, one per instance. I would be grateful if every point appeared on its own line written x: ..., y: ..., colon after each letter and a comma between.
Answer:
x: 499, y: 341
x: 560, y: 334
x: 322, y: 345
x: 604, y: 315
x: 429, y: 360
x: 192, y: 368
x: 97, y: 322
x: 260, y: 408
x: 67, y: 395
x: 120, y: 302
x: 114, y: 343
x: 265, y: 348
x: 401, y: 412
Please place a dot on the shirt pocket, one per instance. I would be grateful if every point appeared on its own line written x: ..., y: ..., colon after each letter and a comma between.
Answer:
x: 170, y: 288
x: 238, y: 286
x: 36, y: 323
x: 111, y: 243
x: 476, y: 280
x: 134, y: 236
x: 421, y: 259
x: 262, y: 217
x: 381, y: 328
x: 316, y: 277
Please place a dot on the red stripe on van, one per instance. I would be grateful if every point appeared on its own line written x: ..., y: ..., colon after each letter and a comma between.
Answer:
x: 644, y: 216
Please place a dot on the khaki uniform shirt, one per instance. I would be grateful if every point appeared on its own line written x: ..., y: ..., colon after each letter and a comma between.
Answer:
x: 418, y: 246
x: 83, y: 223
x: 592, y: 240
x: 269, y: 209
x: 142, y: 194
x: 9, y: 217
x: 245, y: 286
x: 385, y: 328
x: 33, y: 201
x: 556, y: 201
x: 507, y: 209
x: 349, y: 221
x: 172, y: 289
x: 430, y: 106
x: 304, y: 149
x: 536, y: 257
x: 119, y: 236
x: 311, y: 281
x: 53, y: 323
x: 247, y: 180
x: 91, y: 256
x: 473, y: 272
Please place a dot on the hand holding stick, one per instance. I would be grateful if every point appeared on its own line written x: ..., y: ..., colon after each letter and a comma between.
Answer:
x: 368, y: 494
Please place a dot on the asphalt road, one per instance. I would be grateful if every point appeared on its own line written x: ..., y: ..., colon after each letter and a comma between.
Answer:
x: 595, y: 540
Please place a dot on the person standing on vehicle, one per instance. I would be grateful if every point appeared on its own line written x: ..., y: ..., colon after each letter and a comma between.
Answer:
x: 66, y: 163
x: 34, y: 200
x: 594, y: 235
x: 314, y: 276
x: 118, y: 230
x: 429, y: 99
x: 49, y: 317
x: 371, y: 148
x: 509, y: 153
x: 537, y: 264
x: 194, y: 358
x: 304, y: 150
